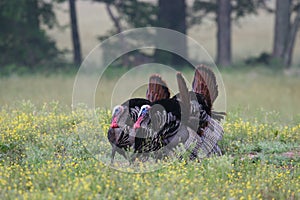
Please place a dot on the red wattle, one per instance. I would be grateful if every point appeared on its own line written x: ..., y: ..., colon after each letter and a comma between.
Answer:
x: 137, y: 124
x: 114, y: 123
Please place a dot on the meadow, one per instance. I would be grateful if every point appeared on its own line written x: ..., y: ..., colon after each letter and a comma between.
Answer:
x: 42, y: 156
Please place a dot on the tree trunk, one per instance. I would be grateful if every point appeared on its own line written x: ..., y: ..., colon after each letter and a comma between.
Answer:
x: 282, y: 28
x: 75, y: 35
x: 224, y: 33
x: 288, y: 53
x: 173, y: 16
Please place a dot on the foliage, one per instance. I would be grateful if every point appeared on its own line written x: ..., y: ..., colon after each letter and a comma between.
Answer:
x: 264, y: 58
x: 125, y: 15
x: 133, y: 14
x: 202, y: 8
x: 42, y: 158
x: 22, y: 40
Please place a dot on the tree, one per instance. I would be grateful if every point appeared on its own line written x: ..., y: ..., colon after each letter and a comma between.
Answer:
x: 285, y: 30
x: 134, y: 13
x: 225, y: 11
x: 127, y: 14
x: 172, y: 16
x: 288, y: 54
x: 281, y: 28
x: 75, y: 35
x: 22, y: 41
x: 224, y: 33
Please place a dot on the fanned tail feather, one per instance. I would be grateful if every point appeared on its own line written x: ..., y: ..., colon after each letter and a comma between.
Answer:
x: 205, y: 83
x: 185, y: 102
x: 157, y: 89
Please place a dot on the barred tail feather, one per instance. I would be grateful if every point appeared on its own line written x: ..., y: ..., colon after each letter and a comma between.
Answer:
x: 157, y: 89
x: 205, y: 83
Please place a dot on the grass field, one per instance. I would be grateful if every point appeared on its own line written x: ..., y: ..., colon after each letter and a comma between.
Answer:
x: 42, y: 157
x: 249, y: 90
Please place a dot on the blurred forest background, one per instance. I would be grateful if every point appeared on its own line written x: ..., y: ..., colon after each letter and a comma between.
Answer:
x: 255, y: 43
x: 46, y: 35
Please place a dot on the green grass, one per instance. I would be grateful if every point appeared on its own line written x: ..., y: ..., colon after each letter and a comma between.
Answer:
x: 248, y: 90
x: 43, y: 154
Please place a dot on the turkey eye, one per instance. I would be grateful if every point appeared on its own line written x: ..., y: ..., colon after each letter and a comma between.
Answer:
x: 144, y: 110
x: 117, y: 110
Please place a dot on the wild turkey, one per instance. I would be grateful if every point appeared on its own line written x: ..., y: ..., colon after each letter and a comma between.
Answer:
x: 177, y: 119
x: 156, y: 129
x: 125, y: 115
